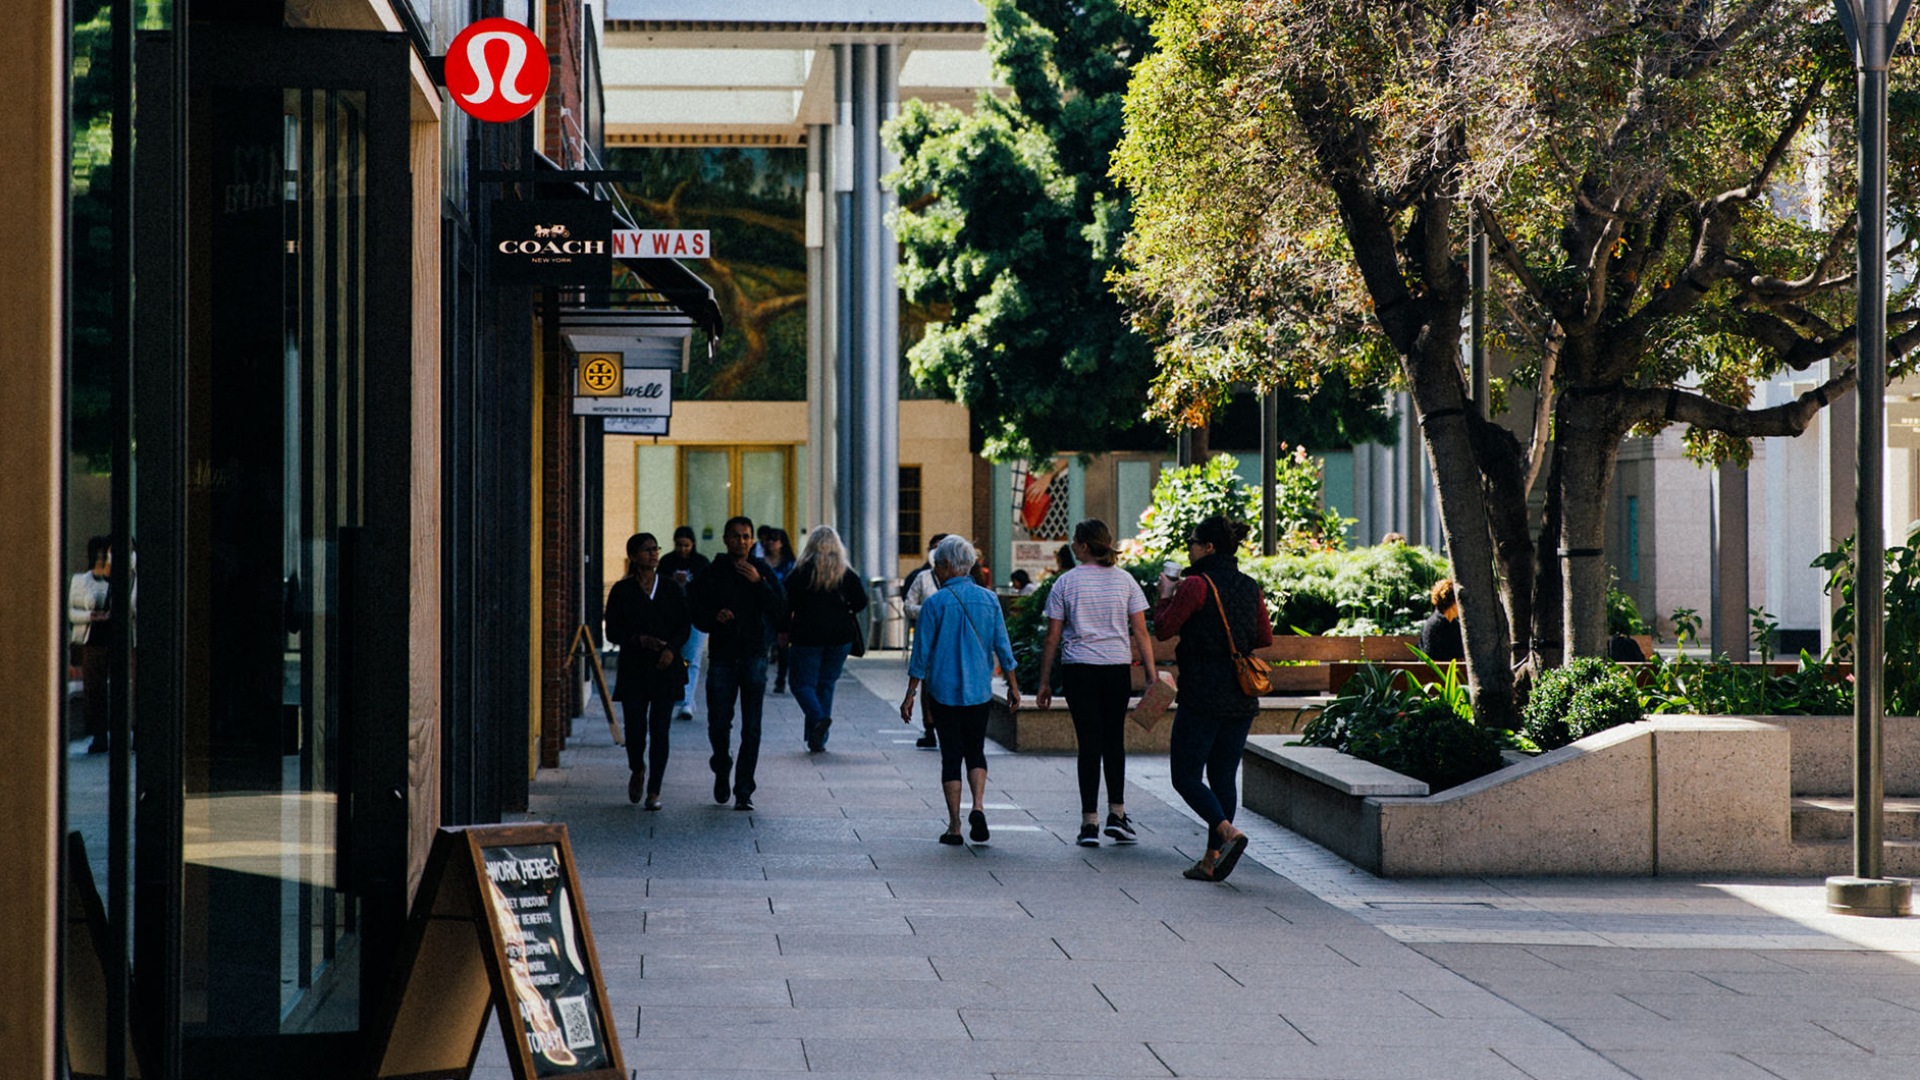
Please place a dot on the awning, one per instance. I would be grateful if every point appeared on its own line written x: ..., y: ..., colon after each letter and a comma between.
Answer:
x: 674, y: 297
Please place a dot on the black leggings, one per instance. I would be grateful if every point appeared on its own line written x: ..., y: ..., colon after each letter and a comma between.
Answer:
x: 962, y: 730
x: 1097, y: 698
x: 646, y: 722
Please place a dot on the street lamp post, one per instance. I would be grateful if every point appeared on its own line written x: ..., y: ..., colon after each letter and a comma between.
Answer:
x: 1871, y: 29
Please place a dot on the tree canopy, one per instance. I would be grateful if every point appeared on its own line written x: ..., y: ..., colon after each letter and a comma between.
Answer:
x: 1009, y: 220
x: 1666, y: 187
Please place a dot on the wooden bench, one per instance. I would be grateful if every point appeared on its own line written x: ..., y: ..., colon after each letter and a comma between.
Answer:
x: 1301, y: 663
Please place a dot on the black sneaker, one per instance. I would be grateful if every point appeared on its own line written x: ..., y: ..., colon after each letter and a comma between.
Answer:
x: 743, y: 804
x: 1120, y: 828
x: 1089, y: 835
x: 636, y: 784
x: 722, y: 787
x: 927, y: 742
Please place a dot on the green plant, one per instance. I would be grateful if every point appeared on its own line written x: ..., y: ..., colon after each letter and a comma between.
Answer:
x: 1686, y: 627
x: 1571, y: 702
x: 1901, y: 659
x: 1374, y: 719
x: 1379, y: 590
x: 1715, y: 687
x: 1027, y: 631
x: 1183, y: 498
x: 1765, y: 629
x: 1300, y: 517
x: 1623, y: 615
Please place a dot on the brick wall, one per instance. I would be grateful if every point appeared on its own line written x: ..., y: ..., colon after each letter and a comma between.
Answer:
x: 563, y: 35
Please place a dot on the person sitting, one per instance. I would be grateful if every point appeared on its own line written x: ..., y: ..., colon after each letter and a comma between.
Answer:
x: 1440, y: 634
x: 1022, y: 583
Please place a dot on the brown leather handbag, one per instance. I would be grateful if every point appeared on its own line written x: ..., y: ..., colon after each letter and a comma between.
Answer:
x: 1251, y: 672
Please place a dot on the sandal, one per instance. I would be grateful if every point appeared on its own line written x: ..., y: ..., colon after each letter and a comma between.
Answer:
x: 977, y: 823
x: 952, y: 838
x: 1198, y: 872
x: 1230, y: 853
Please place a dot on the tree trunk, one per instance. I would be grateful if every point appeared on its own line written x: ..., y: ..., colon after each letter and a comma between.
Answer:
x: 1503, y: 467
x: 1588, y: 445
x: 1446, y: 431
x: 1549, y: 612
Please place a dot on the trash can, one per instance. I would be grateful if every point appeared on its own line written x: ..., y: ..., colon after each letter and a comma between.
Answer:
x: 887, y: 621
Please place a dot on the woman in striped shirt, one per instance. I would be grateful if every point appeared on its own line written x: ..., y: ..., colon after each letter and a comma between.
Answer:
x: 1096, y: 620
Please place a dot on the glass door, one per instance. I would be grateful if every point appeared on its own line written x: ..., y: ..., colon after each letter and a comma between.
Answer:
x: 290, y: 728
x: 720, y: 482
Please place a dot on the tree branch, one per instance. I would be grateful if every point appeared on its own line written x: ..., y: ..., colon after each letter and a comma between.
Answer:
x: 1654, y: 406
x: 1796, y: 120
x: 1543, y: 406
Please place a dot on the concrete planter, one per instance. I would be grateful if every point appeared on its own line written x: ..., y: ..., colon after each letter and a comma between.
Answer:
x: 1672, y: 794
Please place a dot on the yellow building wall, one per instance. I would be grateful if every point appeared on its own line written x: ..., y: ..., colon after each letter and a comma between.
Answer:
x: 933, y: 435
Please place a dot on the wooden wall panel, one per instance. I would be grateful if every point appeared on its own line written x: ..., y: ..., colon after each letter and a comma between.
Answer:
x: 33, y: 36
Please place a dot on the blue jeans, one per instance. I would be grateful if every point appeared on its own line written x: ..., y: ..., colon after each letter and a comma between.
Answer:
x: 812, y: 671
x: 696, y: 653
x: 1204, y: 740
x: 726, y: 676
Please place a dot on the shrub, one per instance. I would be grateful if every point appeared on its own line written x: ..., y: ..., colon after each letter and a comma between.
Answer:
x: 1717, y: 687
x: 1623, y: 615
x: 1379, y: 590
x: 1901, y: 641
x: 1183, y: 498
x: 1027, y: 631
x: 1374, y: 719
x: 1588, y: 695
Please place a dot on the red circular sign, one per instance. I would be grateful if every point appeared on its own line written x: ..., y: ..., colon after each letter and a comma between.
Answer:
x: 497, y: 70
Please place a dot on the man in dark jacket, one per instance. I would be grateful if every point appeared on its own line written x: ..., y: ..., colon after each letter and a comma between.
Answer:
x: 737, y: 601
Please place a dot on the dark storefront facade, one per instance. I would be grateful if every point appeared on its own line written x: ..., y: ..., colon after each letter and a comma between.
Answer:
x: 263, y: 344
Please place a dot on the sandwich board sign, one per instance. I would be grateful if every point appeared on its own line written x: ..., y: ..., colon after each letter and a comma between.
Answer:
x: 499, y: 924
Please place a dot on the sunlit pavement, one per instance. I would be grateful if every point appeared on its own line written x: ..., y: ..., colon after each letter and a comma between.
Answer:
x: 828, y: 932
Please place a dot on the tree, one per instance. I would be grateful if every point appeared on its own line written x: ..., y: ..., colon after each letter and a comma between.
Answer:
x: 1657, y: 180
x: 1008, y: 216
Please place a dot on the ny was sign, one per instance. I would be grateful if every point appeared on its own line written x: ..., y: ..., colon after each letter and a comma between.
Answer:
x: 661, y: 244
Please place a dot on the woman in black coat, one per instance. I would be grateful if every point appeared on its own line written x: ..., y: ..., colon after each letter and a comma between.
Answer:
x: 647, y: 616
x: 823, y: 594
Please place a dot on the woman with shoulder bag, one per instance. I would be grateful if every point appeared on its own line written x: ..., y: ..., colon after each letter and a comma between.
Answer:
x: 647, y: 616
x: 823, y: 597
x: 1220, y: 618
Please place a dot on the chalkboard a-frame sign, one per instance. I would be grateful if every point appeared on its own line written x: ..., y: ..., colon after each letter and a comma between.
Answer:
x: 499, y: 922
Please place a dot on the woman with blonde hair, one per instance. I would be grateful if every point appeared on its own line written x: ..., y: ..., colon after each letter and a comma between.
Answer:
x: 823, y: 597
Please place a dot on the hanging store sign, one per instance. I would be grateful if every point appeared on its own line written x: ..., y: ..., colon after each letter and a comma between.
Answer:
x: 551, y: 243
x: 599, y: 375
x: 662, y: 244
x: 643, y: 392
x: 635, y: 425
x: 497, y: 70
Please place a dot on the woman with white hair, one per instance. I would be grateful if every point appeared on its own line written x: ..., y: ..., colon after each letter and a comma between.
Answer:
x: 959, y: 638
x: 823, y: 598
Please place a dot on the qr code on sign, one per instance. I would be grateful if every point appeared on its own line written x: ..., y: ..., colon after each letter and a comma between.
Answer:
x: 576, y: 1021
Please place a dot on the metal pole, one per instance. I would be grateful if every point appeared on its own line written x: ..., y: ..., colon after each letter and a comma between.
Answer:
x: 119, y: 627
x: 1871, y: 31
x: 1269, y: 465
x: 1477, y: 330
x: 885, y: 560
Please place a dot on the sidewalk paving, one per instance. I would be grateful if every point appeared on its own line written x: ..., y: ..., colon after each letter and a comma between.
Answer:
x: 828, y: 932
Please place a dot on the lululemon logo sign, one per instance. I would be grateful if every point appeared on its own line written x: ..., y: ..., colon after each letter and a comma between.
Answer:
x: 497, y: 70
